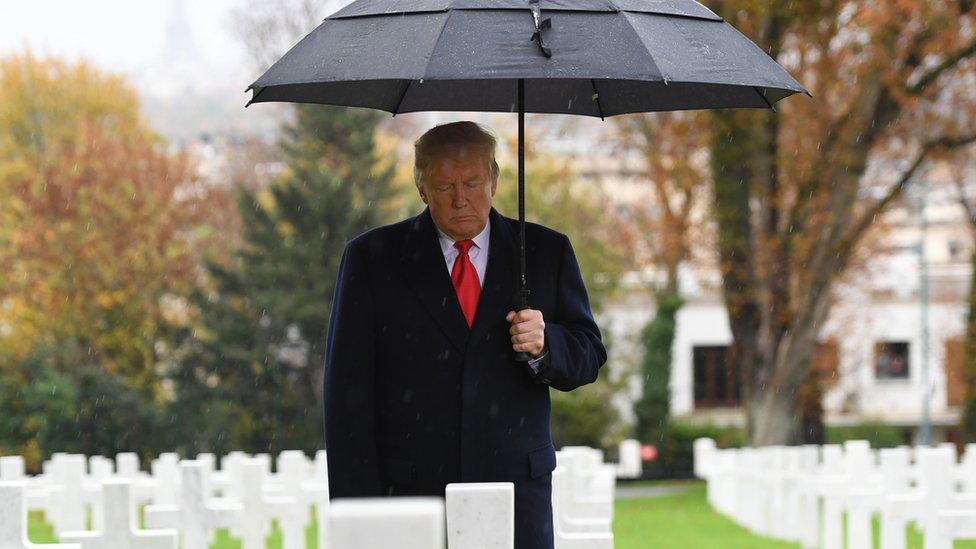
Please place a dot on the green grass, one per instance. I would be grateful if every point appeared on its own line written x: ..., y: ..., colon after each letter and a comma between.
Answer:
x: 686, y: 520
x: 40, y: 531
x: 683, y: 520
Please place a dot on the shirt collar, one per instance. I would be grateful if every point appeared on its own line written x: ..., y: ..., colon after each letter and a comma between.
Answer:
x: 480, y: 240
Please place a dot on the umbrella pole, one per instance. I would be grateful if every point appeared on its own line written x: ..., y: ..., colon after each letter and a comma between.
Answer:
x: 522, y: 298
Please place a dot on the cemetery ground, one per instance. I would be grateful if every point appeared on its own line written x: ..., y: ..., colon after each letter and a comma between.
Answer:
x: 678, y: 519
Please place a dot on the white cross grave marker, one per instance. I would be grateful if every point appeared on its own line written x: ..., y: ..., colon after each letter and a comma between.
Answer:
x: 120, y: 530
x: 259, y: 508
x: 198, y: 514
x: 13, y: 519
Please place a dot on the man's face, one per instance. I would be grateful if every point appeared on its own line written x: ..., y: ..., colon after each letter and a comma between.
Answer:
x: 458, y: 188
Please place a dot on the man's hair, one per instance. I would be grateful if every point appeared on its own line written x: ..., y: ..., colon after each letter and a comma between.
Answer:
x: 453, y: 135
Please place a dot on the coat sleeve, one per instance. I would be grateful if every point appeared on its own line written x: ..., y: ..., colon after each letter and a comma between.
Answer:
x: 350, y: 368
x: 574, y: 349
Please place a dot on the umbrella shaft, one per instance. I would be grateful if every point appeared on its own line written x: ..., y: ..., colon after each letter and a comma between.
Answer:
x: 521, y: 182
x: 523, y: 293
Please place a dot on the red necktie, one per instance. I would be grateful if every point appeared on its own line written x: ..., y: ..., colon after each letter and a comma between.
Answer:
x: 465, y: 280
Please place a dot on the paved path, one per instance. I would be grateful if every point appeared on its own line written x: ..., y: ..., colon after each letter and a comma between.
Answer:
x: 637, y: 492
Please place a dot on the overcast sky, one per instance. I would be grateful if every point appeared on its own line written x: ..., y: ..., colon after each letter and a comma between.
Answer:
x: 130, y: 36
x: 117, y: 34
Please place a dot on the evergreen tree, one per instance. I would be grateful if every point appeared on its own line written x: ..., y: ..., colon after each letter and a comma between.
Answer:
x: 657, y: 338
x: 249, y: 374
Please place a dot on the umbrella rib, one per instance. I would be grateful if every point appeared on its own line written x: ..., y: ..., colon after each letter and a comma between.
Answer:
x: 761, y: 94
x: 396, y: 109
x: 433, y: 50
x: 596, y: 95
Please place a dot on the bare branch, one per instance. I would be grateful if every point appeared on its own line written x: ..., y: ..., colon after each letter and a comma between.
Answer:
x: 948, y: 63
x: 867, y: 218
x: 970, y: 210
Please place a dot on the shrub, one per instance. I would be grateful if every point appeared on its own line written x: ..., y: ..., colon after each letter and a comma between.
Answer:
x: 878, y: 434
x: 676, y: 457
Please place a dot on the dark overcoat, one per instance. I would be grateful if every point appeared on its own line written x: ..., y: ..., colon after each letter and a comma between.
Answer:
x: 415, y: 399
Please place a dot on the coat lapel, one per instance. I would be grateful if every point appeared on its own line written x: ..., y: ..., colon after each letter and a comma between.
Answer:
x: 501, y: 277
x: 427, y: 274
x: 425, y: 270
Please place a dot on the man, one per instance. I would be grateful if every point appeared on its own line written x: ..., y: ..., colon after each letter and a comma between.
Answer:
x: 422, y: 387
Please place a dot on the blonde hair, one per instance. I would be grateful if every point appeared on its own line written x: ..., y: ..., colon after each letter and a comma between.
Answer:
x: 453, y: 135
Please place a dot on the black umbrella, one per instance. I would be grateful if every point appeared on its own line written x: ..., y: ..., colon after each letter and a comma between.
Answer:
x: 588, y: 57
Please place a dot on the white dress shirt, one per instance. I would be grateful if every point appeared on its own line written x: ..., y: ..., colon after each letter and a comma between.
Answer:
x: 478, y: 254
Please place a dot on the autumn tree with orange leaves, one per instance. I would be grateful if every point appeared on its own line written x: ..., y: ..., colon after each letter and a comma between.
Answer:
x: 98, y: 229
x: 664, y: 225
x: 796, y: 191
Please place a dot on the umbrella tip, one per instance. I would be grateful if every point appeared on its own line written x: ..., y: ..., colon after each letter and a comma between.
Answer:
x: 257, y: 92
x: 808, y: 93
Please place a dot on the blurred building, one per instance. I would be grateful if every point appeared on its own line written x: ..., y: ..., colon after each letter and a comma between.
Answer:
x: 872, y: 349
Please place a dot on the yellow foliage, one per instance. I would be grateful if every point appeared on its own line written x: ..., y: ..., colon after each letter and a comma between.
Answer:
x: 92, y: 234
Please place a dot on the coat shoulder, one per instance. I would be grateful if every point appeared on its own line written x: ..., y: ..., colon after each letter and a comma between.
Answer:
x: 377, y: 239
x: 536, y: 232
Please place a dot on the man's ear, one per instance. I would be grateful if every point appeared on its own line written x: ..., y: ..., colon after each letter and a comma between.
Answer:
x: 494, y: 185
x: 423, y: 195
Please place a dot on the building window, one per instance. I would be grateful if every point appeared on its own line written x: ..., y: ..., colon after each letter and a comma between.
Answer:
x: 716, y: 382
x: 891, y: 360
x: 954, y: 248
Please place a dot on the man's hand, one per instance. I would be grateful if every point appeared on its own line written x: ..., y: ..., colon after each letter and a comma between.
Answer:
x: 527, y: 331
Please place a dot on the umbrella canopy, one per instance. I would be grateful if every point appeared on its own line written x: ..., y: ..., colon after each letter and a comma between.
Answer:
x: 586, y: 57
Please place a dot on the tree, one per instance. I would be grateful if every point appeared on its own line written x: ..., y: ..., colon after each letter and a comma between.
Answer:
x: 672, y: 149
x: 967, y: 420
x: 257, y: 345
x: 60, y: 398
x: 97, y: 231
x: 795, y: 192
x: 93, y: 229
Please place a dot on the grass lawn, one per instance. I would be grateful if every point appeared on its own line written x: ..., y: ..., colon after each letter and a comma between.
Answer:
x: 682, y: 520
x: 686, y: 520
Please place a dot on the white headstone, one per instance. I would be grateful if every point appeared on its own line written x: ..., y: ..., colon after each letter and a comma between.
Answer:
x: 68, y: 510
x: 381, y: 523
x: 166, y: 472
x: 950, y: 525
x: 295, y: 481
x: 481, y: 515
x: 594, y: 536
x: 143, y: 489
x: 127, y: 465
x: 120, y: 530
x: 12, y: 468
x: 13, y: 519
x: 197, y: 515
x: 260, y: 509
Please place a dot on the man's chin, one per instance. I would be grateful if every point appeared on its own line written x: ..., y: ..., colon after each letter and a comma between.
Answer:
x: 465, y: 225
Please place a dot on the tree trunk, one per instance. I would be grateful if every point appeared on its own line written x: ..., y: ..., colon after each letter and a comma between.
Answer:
x: 967, y: 422
x: 773, y: 331
x: 785, y: 408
